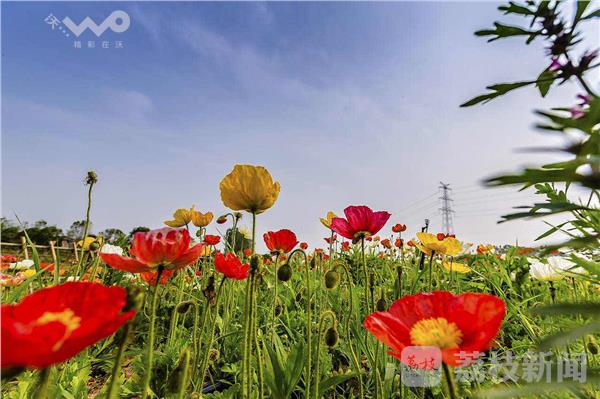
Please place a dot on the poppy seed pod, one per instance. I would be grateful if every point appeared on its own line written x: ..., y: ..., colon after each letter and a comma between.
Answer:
x: 332, y: 279
x: 331, y: 337
x: 213, y: 355
x: 184, y: 307
x: 284, y: 273
x: 91, y: 177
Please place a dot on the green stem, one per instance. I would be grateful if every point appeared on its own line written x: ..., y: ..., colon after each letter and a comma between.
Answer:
x: 44, y: 383
x: 151, y: 336
x: 275, y: 297
x: 211, y: 334
x: 449, y: 375
x: 324, y: 315
x: 365, y: 274
x: 86, y: 226
x: 175, y: 316
x: 253, y: 232
x: 254, y: 330
x: 246, y: 364
x: 113, y: 388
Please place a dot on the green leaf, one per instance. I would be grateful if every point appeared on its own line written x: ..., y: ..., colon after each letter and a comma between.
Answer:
x: 593, y: 14
x: 591, y: 267
x: 581, y: 7
x: 331, y: 382
x: 501, y: 31
x: 584, y: 309
x: 544, y: 81
x: 514, y: 8
x: 496, y: 91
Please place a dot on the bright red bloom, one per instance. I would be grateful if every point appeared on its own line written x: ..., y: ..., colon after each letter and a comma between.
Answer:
x: 399, y: 243
x: 303, y: 246
x: 386, y: 243
x: 165, y: 247
x: 150, y: 277
x: 211, y: 239
x: 330, y: 240
x: 369, y: 238
x: 410, y: 243
x: 56, y: 323
x: 8, y: 258
x: 399, y: 228
x: 454, y: 323
x: 282, y: 241
x: 360, y: 222
x: 345, y: 246
x: 247, y: 252
x: 231, y: 266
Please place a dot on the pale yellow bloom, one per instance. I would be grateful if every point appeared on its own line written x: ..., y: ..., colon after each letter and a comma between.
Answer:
x: 327, y: 220
x: 249, y: 188
x: 428, y: 242
x: 88, y: 241
x: 200, y: 219
x: 181, y: 217
x: 456, y: 267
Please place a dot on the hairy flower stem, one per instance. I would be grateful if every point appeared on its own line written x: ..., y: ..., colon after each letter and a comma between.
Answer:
x: 431, y: 271
x: 253, y: 232
x: 254, y: 330
x: 365, y: 274
x: 326, y: 314
x: 175, y: 316
x: 113, y: 387
x: 246, y: 364
x: 449, y: 376
x: 86, y: 227
x: 211, y: 332
x: 275, y: 297
x: 151, y: 336
x: 347, y: 329
x: 44, y: 383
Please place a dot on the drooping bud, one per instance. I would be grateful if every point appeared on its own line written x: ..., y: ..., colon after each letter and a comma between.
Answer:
x: 278, y: 309
x: 91, y: 178
x: 332, y: 279
x: 213, y: 355
x: 179, y: 375
x: 209, y: 291
x: 254, y: 263
x: 331, y: 337
x: 222, y: 219
x: 184, y: 307
x: 284, y: 273
x: 313, y: 262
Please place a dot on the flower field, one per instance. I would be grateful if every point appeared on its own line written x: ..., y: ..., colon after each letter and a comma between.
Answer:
x: 195, y: 309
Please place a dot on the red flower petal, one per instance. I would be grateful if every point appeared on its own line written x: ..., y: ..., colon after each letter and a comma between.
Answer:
x: 125, y: 263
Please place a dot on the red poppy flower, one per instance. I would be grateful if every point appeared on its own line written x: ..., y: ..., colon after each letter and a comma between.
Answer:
x: 165, y: 247
x: 369, y: 238
x: 150, y: 277
x: 410, y: 243
x: 8, y: 258
x: 360, y: 222
x: 303, y: 246
x: 399, y: 228
x: 399, y: 243
x: 211, y: 239
x: 231, y: 266
x: 54, y: 324
x: 330, y: 240
x: 282, y: 241
x: 247, y: 252
x: 345, y: 246
x: 386, y: 243
x: 464, y: 323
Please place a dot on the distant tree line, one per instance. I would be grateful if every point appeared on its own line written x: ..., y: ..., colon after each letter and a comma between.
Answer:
x: 41, y: 233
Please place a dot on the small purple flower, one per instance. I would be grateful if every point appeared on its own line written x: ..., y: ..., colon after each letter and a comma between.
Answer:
x: 577, y: 112
x: 585, y: 99
x: 555, y: 65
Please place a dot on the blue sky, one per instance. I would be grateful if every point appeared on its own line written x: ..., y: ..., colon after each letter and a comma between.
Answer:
x: 345, y: 103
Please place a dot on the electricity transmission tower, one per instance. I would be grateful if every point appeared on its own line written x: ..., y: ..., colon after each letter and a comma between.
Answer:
x: 446, y: 209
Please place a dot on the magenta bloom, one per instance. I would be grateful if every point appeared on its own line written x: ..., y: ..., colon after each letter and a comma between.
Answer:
x: 360, y: 222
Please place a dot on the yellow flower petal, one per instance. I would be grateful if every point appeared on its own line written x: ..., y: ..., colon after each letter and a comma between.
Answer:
x: 456, y: 267
x: 327, y: 220
x: 249, y: 188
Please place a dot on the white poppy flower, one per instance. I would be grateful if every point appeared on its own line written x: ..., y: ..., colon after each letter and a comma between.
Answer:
x: 111, y: 249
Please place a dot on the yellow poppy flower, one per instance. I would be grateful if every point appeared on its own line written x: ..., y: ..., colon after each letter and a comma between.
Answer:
x: 456, y: 267
x: 181, y: 217
x: 200, y: 219
x: 249, y: 188
x: 88, y: 241
x: 327, y: 220
x: 428, y: 242
x: 206, y: 251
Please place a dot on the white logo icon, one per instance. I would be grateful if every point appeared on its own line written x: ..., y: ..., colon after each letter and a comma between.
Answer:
x: 118, y: 22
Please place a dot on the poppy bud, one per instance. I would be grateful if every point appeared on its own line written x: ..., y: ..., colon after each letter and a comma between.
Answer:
x: 209, y: 291
x: 313, y: 263
x: 213, y: 355
x: 440, y: 236
x: 332, y: 279
x: 278, y: 309
x: 183, y: 307
x: 284, y: 273
x: 592, y: 345
x: 331, y: 337
x: 381, y: 304
x: 91, y: 178
x: 254, y: 263
x: 94, y: 246
x: 237, y: 215
x: 179, y: 375
x: 222, y: 219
